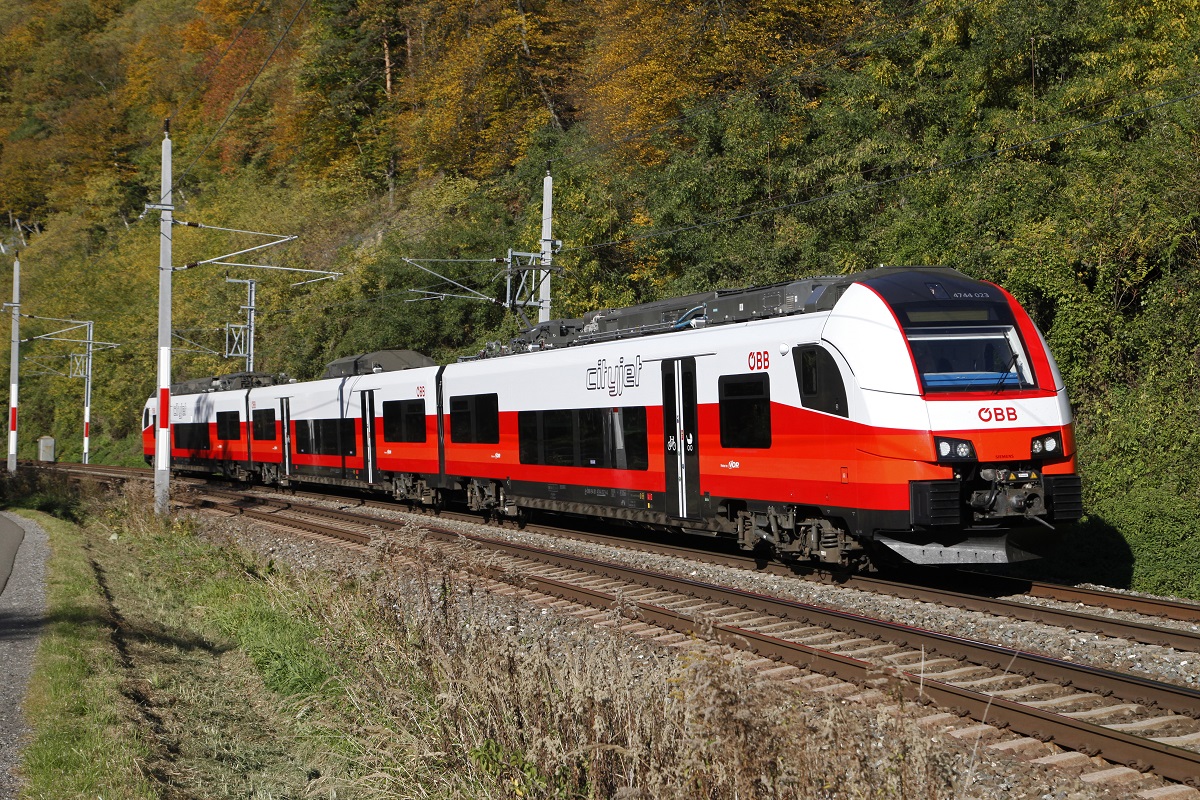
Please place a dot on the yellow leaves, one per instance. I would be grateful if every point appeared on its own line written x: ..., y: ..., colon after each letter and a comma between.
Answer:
x: 215, y: 22
x: 650, y: 60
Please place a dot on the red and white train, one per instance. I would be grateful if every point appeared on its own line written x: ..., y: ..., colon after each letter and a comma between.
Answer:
x: 909, y: 412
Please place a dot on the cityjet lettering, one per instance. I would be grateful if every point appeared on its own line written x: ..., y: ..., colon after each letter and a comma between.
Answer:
x: 615, y: 378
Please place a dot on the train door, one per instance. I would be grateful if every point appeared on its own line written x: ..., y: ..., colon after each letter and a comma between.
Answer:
x: 285, y: 415
x: 367, y: 400
x: 248, y: 432
x: 681, y: 438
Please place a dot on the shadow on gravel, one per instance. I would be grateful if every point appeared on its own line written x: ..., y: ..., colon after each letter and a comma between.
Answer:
x: 20, y: 626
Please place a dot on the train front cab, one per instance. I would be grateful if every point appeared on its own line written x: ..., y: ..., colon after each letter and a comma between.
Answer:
x: 149, y: 426
x: 956, y: 380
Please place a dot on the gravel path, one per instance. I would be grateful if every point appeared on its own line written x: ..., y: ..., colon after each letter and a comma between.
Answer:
x: 22, y: 616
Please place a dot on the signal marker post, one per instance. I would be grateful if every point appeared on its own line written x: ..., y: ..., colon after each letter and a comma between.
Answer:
x: 162, y: 437
x: 547, y: 247
x: 14, y: 366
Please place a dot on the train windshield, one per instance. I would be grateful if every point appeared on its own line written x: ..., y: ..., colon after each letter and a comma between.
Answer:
x: 970, y: 359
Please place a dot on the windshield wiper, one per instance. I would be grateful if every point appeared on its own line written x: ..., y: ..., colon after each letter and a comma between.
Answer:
x: 1012, y: 362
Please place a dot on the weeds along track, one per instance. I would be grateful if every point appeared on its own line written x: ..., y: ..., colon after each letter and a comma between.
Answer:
x: 1138, y: 724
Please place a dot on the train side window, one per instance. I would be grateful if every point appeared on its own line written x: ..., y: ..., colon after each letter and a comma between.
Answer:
x: 591, y: 437
x: 229, y: 426
x: 745, y: 407
x: 558, y: 443
x: 585, y: 437
x: 190, y: 435
x: 325, y: 437
x: 404, y: 421
x: 475, y: 419
x: 821, y: 385
x: 263, y: 425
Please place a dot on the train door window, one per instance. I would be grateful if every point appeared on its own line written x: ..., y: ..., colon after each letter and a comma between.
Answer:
x: 475, y: 419
x: 821, y: 385
x: 263, y: 425
x: 745, y: 405
x: 229, y: 426
x: 190, y: 435
x: 591, y: 437
x: 558, y: 443
x: 344, y: 443
x: 630, y: 448
x: 527, y: 437
x: 404, y: 421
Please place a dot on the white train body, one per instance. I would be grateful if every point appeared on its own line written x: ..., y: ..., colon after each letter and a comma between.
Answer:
x: 912, y: 412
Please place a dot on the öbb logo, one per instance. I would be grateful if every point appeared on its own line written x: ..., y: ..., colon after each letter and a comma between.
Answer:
x: 998, y: 414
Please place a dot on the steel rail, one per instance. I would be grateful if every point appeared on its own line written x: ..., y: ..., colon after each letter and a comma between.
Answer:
x: 976, y: 600
x: 1090, y: 623
x: 1141, y: 632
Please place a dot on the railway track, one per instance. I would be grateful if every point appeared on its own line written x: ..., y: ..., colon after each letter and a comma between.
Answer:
x: 957, y: 588
x: 1138, y: 724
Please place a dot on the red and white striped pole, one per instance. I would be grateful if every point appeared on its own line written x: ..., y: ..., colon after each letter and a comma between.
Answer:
x: 87, y: 392
x: 14, y: 365
x: 162, y: 439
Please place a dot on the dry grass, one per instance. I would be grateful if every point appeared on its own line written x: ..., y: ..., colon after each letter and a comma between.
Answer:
x: 469, y: 694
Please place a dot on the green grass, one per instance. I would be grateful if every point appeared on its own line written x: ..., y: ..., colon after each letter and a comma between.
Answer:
x: 81, y: 746
x: 167, y: 669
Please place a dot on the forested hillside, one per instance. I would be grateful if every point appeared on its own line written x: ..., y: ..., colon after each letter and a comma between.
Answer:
x: 1051, y: 147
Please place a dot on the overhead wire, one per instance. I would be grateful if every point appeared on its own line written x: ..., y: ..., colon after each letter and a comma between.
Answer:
x: 586, y: 154
x: 833, y: 48
x: 708, y: 102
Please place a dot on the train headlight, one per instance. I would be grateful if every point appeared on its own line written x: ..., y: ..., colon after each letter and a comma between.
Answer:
x: 1046, y: 445
x: 953, y: 449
